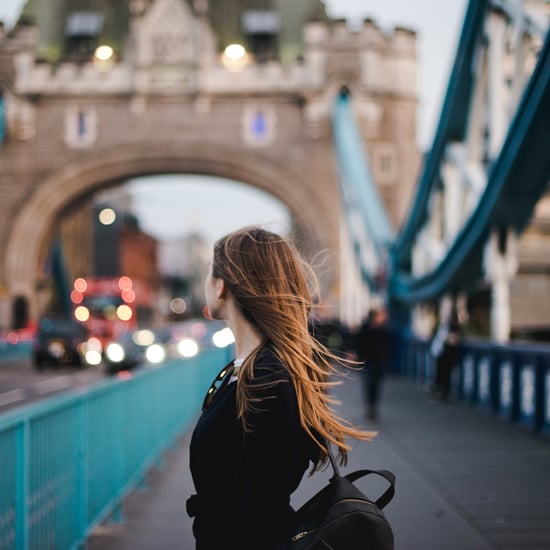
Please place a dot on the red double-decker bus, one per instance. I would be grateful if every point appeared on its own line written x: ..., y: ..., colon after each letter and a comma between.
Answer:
x: 108, y: 306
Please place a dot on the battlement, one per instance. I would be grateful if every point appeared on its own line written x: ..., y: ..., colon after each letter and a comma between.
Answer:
x: 369, y: 35
x: 367, y: 59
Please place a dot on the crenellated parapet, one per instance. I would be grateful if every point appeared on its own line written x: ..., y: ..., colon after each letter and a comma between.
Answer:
x: 365, y: 57
x: 172, y: 50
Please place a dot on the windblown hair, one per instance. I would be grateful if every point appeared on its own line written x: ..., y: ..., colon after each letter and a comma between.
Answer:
x: 274, y: 286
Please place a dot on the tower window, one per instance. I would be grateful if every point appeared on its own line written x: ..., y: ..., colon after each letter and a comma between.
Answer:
x: 261, y: 29
x: 82, y: 30
x: 385, y: 165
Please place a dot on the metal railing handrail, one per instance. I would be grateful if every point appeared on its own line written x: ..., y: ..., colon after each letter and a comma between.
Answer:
x: 67, y: 463
x: 509, y: 380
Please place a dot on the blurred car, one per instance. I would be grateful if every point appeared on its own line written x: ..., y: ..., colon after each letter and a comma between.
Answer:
x: 153, y: 346
x: 59, y: 341
x: 133, y: 348
x: 188, y: 338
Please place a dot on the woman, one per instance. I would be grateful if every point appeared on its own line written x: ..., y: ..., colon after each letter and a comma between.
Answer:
x: 270, y: 415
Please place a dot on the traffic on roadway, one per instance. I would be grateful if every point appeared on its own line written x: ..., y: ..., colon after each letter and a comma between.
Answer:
x: 21, y: 383
x: 60, y: 358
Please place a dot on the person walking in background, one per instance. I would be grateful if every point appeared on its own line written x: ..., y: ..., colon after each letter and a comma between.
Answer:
x: 269, y: 418
x: 374, y: 349
x: 446, y: 351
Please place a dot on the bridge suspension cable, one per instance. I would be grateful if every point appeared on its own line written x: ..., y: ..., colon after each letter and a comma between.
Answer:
x: 368, y: 224
x: 488, y: 165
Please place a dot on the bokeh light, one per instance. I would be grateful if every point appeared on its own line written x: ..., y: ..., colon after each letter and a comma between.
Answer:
x: 124, y: 312
x: 107, y: 216
x: 104, y: 53
x: 81, y: 314
x: 234, y: 57
x: 178, y: 306
x: 80, y: 284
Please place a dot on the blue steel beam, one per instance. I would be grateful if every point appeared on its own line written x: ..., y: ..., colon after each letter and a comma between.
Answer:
x: 517, y: 179
x: 451, y: 127
x: 369, y: 226
x: 355, y: 173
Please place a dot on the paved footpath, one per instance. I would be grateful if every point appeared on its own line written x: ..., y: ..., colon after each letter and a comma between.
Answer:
x: 465, y: 480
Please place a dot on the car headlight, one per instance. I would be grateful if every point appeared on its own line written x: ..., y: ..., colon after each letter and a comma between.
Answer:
x: 155, y: 353
x: 223, y: 338
x: 188, y: 347
x: 92, y: 357
x: 115, y: 352
x: 56, y: 349
x: 143, y: 337
x: 93, y: 344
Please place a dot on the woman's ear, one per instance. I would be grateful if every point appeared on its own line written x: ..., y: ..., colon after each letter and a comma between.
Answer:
x: 220, y: 288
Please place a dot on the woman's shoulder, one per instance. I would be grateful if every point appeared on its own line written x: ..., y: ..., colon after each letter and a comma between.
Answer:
x: 267, y: 364
x: 267, y: 355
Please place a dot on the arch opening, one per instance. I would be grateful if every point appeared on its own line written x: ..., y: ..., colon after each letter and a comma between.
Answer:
x: 73, y: 186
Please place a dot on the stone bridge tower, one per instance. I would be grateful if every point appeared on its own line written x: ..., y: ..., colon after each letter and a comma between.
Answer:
x: 168, y: 101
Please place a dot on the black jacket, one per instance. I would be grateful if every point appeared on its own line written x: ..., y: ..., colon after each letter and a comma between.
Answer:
x: 373, y: 345
x: 244, y: 479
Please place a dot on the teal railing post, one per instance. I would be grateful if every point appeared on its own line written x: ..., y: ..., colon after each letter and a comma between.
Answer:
x: 82, y: 457
x: 22, y: 486
x: 117, y: 516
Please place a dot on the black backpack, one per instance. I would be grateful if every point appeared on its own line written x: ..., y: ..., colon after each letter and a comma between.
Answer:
x: 341, y: 517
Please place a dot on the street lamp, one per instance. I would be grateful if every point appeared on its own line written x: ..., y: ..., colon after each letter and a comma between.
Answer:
x: 235, y: 57
x: 104, y: 57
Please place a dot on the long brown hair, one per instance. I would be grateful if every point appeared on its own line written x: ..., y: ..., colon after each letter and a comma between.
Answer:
x: 273, y: 286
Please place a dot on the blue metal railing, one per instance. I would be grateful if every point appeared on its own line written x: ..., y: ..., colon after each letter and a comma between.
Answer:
x: 14, y: 351
x: 67, y: 463
x: 511, y: 380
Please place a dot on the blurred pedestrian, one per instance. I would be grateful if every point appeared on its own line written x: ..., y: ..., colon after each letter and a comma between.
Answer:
x: 445, y: 349
x: 270, y: 416
x: 374, y: 348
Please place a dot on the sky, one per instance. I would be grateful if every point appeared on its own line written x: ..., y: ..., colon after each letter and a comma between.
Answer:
x: 171, y: 209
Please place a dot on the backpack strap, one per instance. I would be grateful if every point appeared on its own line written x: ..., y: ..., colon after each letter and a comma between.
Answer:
x: 386, y: 474
x: 333, y: 462
x: 358, y: 474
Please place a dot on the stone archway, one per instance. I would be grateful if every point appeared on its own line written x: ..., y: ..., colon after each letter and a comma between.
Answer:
x: 317, y: 215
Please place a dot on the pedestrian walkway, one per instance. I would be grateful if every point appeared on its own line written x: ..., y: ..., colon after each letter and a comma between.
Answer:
x: 465, y: 480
